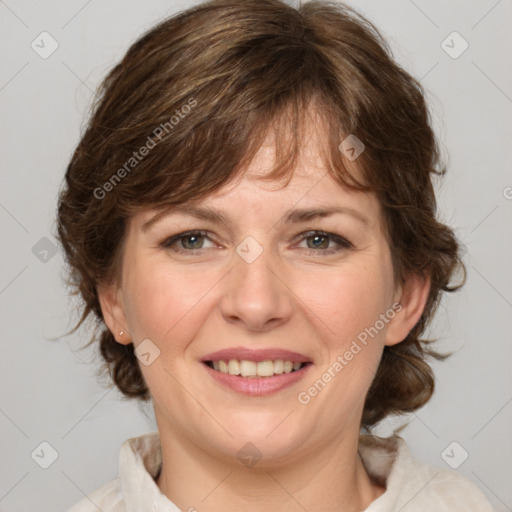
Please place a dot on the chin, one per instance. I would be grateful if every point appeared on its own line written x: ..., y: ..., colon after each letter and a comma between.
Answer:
x: 263, y: 437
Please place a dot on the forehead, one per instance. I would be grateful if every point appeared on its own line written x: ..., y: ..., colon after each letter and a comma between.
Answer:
x: 310, y: 193
x: 309, y: 183
x: 310, y: 189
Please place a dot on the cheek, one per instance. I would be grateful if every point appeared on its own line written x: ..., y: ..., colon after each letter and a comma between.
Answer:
x: 347, y: 308
x: 164, y: 303
x: 348, y: 301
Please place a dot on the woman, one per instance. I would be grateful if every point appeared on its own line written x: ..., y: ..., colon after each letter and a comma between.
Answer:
x: 251, y: 218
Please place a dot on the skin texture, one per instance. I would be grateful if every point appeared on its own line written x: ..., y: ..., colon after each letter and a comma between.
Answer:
x: 294, y: 296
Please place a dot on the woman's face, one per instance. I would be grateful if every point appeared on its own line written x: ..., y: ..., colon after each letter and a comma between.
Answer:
x: 273, y: 282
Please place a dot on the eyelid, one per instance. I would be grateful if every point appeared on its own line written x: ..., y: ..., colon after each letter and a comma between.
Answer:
x: 169, y: 241
x: 342, y: 242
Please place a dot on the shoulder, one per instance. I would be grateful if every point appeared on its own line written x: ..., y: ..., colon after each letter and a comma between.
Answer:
x: 107, y: 498
x: 430, y: 488
x: 139, y: 462
x: 412, y: 485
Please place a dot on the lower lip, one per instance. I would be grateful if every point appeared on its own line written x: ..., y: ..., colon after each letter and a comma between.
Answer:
x: 258, y: 386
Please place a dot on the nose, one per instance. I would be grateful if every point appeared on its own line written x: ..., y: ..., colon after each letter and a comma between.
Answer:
x: 256, y: 295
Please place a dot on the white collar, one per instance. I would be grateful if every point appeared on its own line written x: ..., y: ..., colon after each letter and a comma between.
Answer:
x: 140, y: 461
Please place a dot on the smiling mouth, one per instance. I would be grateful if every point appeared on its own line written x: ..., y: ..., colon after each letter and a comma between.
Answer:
x: 253, y: 369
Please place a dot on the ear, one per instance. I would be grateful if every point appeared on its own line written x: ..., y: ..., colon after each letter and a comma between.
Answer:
x: 412, y: 296
x: 112, y: 307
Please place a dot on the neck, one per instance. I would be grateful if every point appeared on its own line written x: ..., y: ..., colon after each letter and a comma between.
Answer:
x: 332, y: 478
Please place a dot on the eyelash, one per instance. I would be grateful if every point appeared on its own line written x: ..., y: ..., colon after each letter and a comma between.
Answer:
x: 343, y: 243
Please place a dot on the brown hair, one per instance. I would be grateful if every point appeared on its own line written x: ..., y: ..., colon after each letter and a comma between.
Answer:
x: 199, y: 92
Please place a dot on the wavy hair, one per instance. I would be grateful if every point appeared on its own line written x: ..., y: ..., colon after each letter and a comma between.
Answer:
x: 199, y: 92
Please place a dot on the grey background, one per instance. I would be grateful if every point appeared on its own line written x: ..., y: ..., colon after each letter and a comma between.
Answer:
x: 49, y: 391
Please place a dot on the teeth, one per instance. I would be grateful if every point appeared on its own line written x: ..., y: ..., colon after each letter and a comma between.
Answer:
x: 265, y: 369
x: 234, y: 367
x: 247, y: 368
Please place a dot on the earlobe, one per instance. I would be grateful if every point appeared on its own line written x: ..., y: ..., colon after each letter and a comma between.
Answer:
x: 413, y: 297
x: 113, y: 312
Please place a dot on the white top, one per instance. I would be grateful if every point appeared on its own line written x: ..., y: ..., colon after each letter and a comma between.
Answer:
x: 411, y: 485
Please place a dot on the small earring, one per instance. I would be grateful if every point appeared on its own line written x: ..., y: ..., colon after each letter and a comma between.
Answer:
x: 121, y: 333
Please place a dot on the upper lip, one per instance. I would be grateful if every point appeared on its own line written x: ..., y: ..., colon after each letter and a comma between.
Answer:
x: 257, y: 355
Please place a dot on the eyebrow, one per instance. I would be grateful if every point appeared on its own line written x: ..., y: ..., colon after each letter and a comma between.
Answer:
x: 291, y: 217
